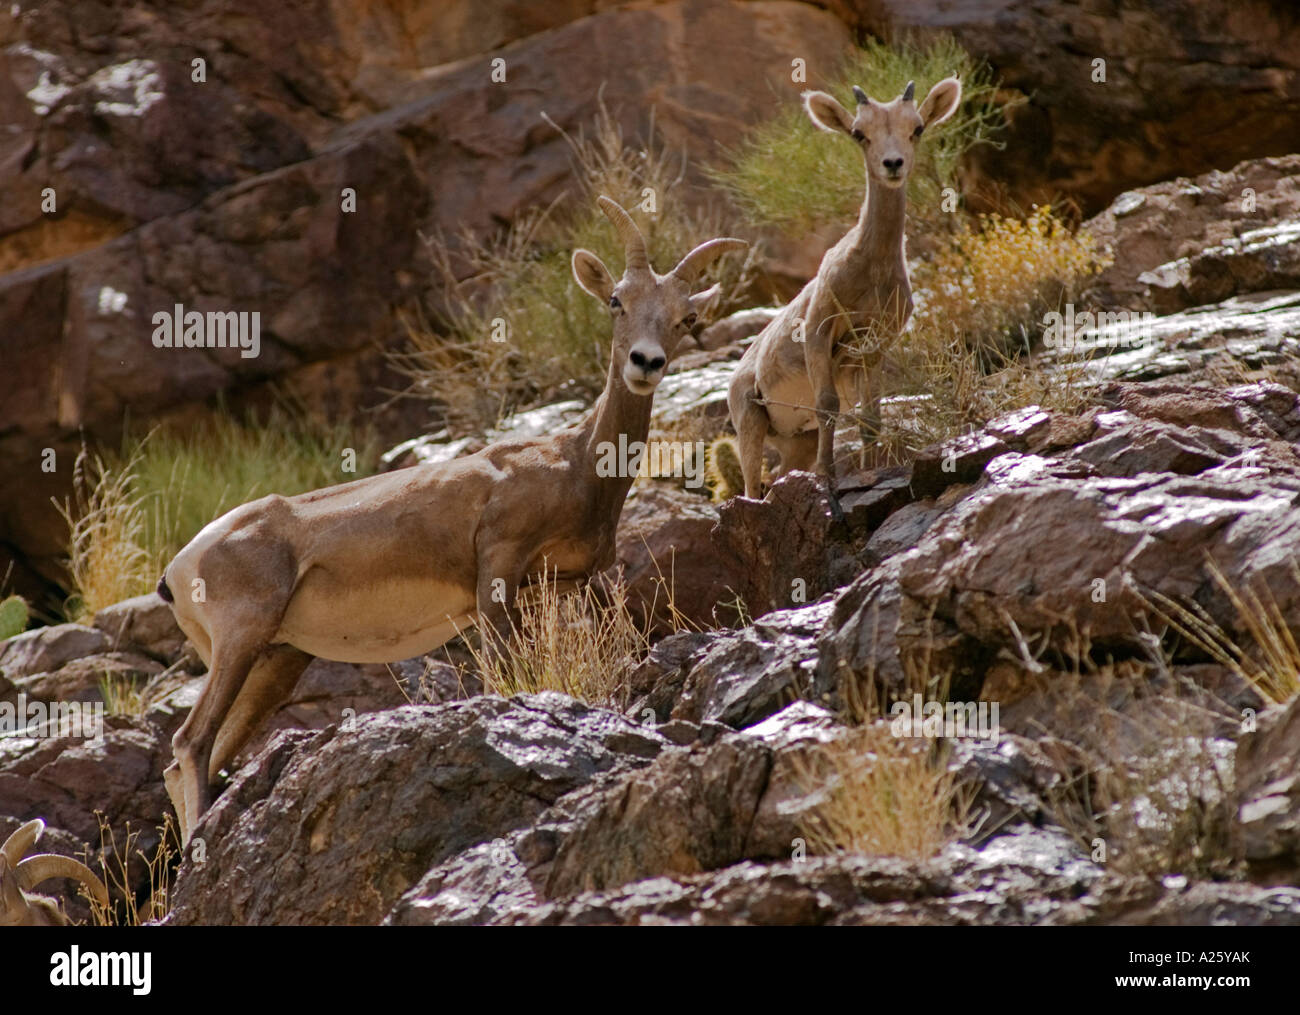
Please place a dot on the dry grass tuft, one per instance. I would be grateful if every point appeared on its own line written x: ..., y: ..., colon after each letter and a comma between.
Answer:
x: 994, y: 282
x: 1272, y: 664
x: 884, y: 795
x: 1153, y: 785
x: 122, y: 695
x: 108, y: 535
x: 116, y: 871
x: 584, y: 644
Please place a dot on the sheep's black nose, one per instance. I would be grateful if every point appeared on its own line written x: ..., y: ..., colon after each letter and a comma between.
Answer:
x: 893, y: 165
x: 649, y: 366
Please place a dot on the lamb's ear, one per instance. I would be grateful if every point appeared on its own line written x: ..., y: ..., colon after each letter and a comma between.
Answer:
x: 941, y: 103
x: 592, y: 275
x: 701, y: 300
x: 827, y: 113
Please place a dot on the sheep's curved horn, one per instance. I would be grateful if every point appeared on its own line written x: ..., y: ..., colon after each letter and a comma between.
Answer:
x: 633, y: 242
x: 17, y: 845
x: 909, y: 93
x: 860, y: 95
x: 35, y: 869
x: 689, y: 267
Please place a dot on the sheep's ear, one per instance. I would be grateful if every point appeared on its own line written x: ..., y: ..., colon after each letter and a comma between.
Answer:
x: 826, y: 113
x: 701, y: 301
x: 592, y: 275
x: 942, y: 102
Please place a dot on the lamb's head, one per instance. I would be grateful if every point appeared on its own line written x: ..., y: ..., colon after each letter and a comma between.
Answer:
x: 651, y: 312
x: 887, y: 132
x: 18, y: 876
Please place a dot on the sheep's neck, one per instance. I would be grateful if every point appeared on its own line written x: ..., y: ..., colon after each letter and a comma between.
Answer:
x: 621, y: 421
x: 878, y: 242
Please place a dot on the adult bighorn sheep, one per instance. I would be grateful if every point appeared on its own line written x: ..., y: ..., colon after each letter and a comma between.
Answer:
x: 20, y: 873
x: 394, y: 565
x: 826, y: 345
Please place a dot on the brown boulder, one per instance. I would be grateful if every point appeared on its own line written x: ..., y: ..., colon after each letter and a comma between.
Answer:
x: 333, y: 827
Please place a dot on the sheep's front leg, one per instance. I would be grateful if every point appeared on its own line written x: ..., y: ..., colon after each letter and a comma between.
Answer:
x: 500, y: 570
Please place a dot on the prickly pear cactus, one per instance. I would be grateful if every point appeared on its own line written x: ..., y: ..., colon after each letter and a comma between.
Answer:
x: 722, y: 471
x: 13, y: 617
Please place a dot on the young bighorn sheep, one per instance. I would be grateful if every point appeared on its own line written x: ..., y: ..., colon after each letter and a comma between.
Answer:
x: 18, y: 876
x: 825, y: 346
x: 393, y: 566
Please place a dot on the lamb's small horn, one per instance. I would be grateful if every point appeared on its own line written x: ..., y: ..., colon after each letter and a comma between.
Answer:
x: 909, y: 93
x: 634, y: 248
x: 860, y: 95
x: 689, y: 267
x: 35, y: 869
x: 18, y: 844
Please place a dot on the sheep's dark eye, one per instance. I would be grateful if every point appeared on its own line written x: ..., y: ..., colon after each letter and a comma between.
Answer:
x: 614, y: 304
x: 917, y: 133
x: 689, y: 321
x: 859, y: 136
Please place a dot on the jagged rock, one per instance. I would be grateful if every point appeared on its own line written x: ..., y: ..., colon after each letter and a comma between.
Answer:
x: 674, y: 572
x: 817, y: 890
x: 46, y: 649
x: 1247, y: 337
x: 706, y: 805
x: 787, y: 543
x: 796, y: 736
x: 333, y: 827
x: 749, y: 674
x: 1013, y: 776
x: 689, y: 811
x: 1268, y: 794
x: 1189, y: 242
x: 656, y: 683
x: 1047, y: 547
x: 145, y: 623
x: 84, y: 679
x: 66, y: 780
x: 1030, y: 876
x: 867, y: 500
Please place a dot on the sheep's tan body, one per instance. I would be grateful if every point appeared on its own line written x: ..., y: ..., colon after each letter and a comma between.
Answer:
x: 338, y: 606
x: 825, y: 348
x: 392, y: 566
x: 20, y: 873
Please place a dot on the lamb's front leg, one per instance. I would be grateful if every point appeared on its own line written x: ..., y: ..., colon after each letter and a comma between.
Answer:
x: 821, y: 375
x: 869, y: 420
